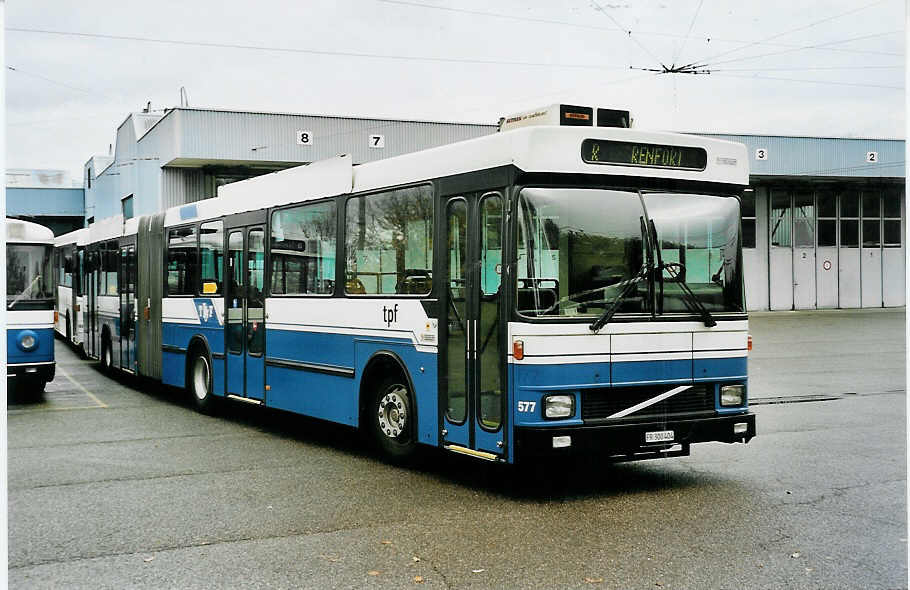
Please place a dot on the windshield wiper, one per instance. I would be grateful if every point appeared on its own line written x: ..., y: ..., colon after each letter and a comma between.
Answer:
x: 690, y: 297
x: 608, y: 313
x: 25, y: 292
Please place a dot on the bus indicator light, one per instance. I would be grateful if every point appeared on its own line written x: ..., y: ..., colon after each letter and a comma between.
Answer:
x: 562, y: 442
x: 749, y: 343
x: 518, y: 349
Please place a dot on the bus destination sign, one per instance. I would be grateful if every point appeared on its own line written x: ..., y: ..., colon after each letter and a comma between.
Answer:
x: 627, y: 153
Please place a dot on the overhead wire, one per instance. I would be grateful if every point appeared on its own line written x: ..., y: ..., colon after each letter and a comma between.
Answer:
x: 856, y: 84
x: 789, y: 31
x: 806, y: 69
x: 624, y: 30
x: 566, y: 23
x: 805, y: 47
x: 521, y: 99
x: 49, y: 80
x: 679, y: 51
x: 313, y: 51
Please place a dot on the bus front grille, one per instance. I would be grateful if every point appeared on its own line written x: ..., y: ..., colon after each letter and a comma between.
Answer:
x: 600, y: 404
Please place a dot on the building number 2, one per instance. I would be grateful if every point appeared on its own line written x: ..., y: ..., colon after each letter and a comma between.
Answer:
x: 526, y: 406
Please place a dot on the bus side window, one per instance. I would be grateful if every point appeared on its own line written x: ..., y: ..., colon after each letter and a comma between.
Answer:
x: 109, y: 265
x: 181, y: 261
x: 389, y: 245
x: 211, y: 258
x: 303, y: 250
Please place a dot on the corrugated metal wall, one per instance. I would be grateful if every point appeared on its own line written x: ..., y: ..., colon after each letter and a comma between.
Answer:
x: 821, y: 156
x: 262, y: 137
x: 182, y: 185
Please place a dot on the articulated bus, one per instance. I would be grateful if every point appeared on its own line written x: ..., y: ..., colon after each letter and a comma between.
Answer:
x: 29, y: 306
x: 69, y: 273
x: 538, y: 291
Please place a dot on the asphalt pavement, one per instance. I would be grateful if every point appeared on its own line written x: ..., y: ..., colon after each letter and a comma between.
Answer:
x: 119, y: 484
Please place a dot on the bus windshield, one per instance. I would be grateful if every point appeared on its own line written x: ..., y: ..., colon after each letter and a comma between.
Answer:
x: 699, y: 236
x: 580, y: 251
x: 28, y: 273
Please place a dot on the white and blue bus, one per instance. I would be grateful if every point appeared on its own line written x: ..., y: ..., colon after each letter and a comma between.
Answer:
x: 542, y: 290
x: 29, y: 306
x: 69, y: 274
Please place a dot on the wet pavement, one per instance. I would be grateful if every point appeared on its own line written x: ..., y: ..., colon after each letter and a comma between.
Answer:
x: 115, y: 483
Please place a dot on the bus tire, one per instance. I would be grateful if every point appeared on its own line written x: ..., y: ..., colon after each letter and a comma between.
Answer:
x: 392, y: 419
x: 199, y: 382
x: 107, y: 354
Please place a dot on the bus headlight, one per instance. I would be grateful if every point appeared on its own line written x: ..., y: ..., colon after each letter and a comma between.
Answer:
x: 27, y: 341
x: 732, y: 395
x: 559, y: 406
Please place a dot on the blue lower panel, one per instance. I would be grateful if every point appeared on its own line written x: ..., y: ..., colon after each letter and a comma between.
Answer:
x: 218, y: 376
x: 173, y: 368
x: 633, y: 372
x: 42, y: 352
x: 311, y: 347
x: 562, y: 376
x: 336, y: 397
x: 312, y: 394
x: 173, y: 364
x: 729, y: 368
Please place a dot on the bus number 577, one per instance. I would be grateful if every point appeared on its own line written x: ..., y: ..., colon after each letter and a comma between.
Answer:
x: 526, y: 406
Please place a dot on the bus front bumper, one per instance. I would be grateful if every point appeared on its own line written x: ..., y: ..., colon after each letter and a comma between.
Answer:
x: 625, y: 441
x: 44, y: 370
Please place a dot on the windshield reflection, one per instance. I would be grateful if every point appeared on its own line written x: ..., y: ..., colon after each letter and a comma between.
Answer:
x: 701, y: 233
x: 579, y: 249
x: 28, y: 273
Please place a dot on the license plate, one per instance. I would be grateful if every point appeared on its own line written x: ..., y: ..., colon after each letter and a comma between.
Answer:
x: 659, y: 436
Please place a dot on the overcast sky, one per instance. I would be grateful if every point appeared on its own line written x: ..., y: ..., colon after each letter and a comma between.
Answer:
x: 828, y: 68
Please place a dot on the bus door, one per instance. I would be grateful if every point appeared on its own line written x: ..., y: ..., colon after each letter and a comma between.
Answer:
x: 93, y: 277
x: 79, y: 292
x: 245, y: 312
x: 472, y: 350
x: 128, y: 312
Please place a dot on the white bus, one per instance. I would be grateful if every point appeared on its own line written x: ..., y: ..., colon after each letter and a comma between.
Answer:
x: 542, y: 290
x: 69, y: 264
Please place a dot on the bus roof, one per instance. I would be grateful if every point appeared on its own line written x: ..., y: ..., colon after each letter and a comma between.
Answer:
x: 19, y: 231
x: 551, y: 149
x: 79, y: 237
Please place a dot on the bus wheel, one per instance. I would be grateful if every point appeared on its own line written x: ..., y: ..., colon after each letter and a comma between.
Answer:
x: 392, y: 420
x: 200, y: 383
x: 107, y: 355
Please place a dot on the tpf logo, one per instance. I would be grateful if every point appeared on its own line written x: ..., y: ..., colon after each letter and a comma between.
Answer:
x: 206, y: 311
